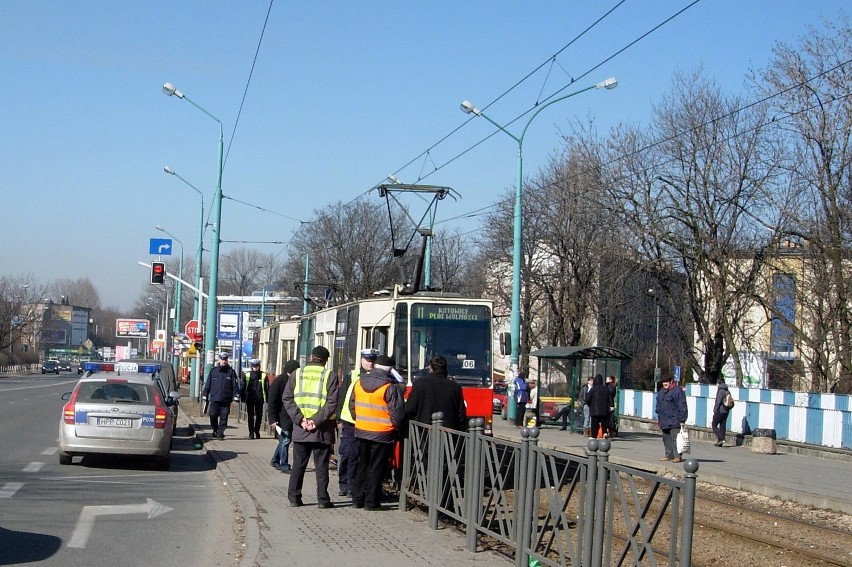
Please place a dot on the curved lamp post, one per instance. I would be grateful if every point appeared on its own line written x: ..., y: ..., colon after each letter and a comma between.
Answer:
x: 194, y: 378
x: 515, y: 323
x: 212, y: 301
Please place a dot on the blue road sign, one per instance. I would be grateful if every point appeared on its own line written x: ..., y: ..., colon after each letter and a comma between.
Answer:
x: 160, y: 246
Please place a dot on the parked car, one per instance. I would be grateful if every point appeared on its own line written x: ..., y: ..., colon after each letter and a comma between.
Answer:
x: 118, y: 409
x: 165, y: 373
x: 51, y: 366
x: 64, y: 366
x: 498, y: 399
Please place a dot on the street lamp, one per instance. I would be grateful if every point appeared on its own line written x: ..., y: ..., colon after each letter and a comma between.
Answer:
x: 178, y: 294
x: 657, y: 371
x: 515, y: 322
x: 212, y: 300
x: 193, y: 377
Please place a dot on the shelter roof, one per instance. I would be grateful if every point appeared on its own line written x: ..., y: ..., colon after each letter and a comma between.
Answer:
x: 580, y: 352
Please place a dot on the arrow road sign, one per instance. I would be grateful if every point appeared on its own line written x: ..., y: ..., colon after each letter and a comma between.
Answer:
x: 160, y: 246
x: 89, y: 513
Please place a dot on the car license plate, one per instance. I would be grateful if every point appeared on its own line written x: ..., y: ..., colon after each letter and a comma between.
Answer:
x: 113, y: 422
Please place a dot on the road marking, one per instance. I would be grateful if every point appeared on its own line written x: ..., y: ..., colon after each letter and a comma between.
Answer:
x: 50, y: 451
x: 33, y: 467
x: 10, y: 488
x: 39, y: 386
x: 89, y: 513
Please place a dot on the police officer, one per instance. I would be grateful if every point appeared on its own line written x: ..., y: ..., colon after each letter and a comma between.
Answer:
x: 348, y: 463
x: 220, y: 389
x: 255, y: 387
x: 310, y: 398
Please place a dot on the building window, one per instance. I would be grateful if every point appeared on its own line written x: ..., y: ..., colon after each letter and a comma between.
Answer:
x: 784, y: 313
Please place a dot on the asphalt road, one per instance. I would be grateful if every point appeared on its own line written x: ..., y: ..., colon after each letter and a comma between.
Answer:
x: 102, y: 511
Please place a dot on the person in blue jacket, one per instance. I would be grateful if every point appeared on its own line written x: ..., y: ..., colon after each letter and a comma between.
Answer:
x: 671, y: 415
x: 221, y: 388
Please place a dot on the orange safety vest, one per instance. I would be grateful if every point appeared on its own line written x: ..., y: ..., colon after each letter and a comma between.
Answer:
x: 371, y: 410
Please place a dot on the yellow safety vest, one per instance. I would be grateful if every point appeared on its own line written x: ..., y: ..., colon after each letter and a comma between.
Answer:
x: 345, y: 414
x: 310, y: 389
x: 262, y: 383
x: 371, y: 410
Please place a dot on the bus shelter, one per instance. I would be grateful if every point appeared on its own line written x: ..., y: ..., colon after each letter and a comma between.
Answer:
x: 575, y: 362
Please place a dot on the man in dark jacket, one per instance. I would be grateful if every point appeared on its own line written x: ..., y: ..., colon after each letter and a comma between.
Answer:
x: 347, y: 465
x: 378, y: 409
x: 278, y: 417
x: 671, y: 414
x: 437, y: 392
x: 253, y: 393
x: 720, y: 413
x: 310, y: 398
x: 221, y: 388
x: 598, y: 401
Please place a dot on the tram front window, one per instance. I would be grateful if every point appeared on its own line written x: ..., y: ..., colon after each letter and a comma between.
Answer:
x: 459, y: 333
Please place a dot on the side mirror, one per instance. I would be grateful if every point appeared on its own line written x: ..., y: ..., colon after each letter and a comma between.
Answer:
x: 66, y: 396
x: 505, y: 343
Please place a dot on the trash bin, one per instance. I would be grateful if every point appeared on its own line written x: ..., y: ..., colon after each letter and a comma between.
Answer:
x: 763, y: 441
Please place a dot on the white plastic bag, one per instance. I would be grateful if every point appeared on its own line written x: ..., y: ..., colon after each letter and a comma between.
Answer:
x: 682, y: 441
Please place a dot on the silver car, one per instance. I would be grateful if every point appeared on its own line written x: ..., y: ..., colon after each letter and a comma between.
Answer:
x: 118, y: 409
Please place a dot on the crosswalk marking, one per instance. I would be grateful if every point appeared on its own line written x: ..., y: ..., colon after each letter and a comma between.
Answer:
x: 9, y: 489
x: 50, y: 451
x: 33, y: 467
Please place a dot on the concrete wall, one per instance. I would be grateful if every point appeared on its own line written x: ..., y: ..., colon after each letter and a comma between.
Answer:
x: 813, y: 419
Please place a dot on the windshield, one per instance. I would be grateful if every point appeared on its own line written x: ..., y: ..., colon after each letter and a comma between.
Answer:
x: 459, y: 333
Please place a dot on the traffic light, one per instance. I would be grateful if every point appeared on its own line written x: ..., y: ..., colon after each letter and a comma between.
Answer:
x: 158, y: 273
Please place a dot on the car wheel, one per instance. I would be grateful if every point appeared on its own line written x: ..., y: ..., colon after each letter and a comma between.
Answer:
x: 42, y: 371
x: 64, y: 458
x: 503, y: 414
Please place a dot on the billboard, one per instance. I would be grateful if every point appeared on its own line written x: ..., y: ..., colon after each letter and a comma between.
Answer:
x: 132, y: 328
x: 52, y: 336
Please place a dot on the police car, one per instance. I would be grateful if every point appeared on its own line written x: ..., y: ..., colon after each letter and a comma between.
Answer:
x: 118, y: 409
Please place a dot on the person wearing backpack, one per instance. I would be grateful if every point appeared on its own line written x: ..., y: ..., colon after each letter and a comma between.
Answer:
x: 721, y: 409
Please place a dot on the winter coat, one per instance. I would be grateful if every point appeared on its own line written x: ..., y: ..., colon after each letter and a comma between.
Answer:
x: 275, y: 406
x: 719, y: 407
x: 371, y: 382
x: 671, y: 407
x: 255, y: 386
x: 222, y: 385
x: 598, y: 398
x: 324, y: 418
x: 437, y: 392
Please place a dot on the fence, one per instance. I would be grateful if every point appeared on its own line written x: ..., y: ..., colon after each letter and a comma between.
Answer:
x: 543, y: 505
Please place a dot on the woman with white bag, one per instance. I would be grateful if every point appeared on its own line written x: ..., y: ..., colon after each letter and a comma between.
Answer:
x: 671, y: 417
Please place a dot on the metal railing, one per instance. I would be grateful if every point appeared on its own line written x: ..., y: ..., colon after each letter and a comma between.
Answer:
x: 544, y: 505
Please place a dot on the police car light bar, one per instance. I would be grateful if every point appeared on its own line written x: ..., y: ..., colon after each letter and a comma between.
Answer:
x: 129, y: 367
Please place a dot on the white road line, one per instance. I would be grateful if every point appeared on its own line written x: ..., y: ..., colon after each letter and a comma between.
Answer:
x: 10, y: 488
x: 50, y: 451
x: 33, y: 467
x: 89, y: 514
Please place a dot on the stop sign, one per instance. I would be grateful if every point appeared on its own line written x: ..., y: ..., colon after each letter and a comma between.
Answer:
x: 192, y: 328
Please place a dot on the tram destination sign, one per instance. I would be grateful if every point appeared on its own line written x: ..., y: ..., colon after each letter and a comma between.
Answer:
x: 450, y: 312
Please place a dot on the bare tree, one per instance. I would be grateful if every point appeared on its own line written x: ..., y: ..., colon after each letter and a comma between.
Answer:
x: 694, y: 193
x: 19, y: 296
x: 246, y: 270
x: 810, y: 84
x: 452, y: 260
x: 80, y: 292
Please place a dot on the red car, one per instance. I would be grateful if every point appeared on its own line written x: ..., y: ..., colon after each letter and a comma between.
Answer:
x: 498, y: 400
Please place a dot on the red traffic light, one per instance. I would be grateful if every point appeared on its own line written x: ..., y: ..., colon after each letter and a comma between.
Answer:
x: 158, y: 273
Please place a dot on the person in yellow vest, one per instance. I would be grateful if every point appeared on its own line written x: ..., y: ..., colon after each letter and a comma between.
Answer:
x: 310, y: 398
x: 379, y: 410
x: 347, y: 465
x: 253, y: 392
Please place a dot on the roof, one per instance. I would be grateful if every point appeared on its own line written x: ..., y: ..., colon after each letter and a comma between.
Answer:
x: 580, y: 352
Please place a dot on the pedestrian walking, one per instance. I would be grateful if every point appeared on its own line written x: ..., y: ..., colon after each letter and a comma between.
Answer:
x: 522, y: 398
x: 612, y: 421
x: 671, y: 414
x: 721, y: 411
x: 253, y: 393
x: 220, y: 389
x: 278, y: 417
x: 310, y: 398
x: 347, y: 464
x: 379, y: 409
x: 437, y: 392
x: 597, y: 398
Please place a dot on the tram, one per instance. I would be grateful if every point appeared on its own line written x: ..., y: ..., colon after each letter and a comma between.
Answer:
x: 410, y: 327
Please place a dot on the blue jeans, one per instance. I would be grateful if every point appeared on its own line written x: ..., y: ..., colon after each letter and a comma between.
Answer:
x: 279, y: 457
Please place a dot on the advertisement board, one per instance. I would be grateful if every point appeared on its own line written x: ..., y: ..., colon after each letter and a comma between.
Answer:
x: 135, y: 328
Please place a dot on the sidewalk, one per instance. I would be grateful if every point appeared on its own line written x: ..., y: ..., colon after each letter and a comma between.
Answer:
x: 276, y: 534
x: 811, y: 481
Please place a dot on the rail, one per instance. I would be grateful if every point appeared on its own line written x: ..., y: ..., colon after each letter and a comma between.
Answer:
x: 543, y: 505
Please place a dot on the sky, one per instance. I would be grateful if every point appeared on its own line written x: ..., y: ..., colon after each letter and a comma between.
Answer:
x: 319, y: 102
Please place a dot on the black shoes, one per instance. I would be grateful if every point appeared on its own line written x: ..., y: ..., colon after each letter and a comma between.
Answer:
x: 220, y: 436
x: 325, y: 505
x: 343, y: 493
x: 373, y: 508
x: 296, y: 503
x: 251, y: 435
x: 357, y: 504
